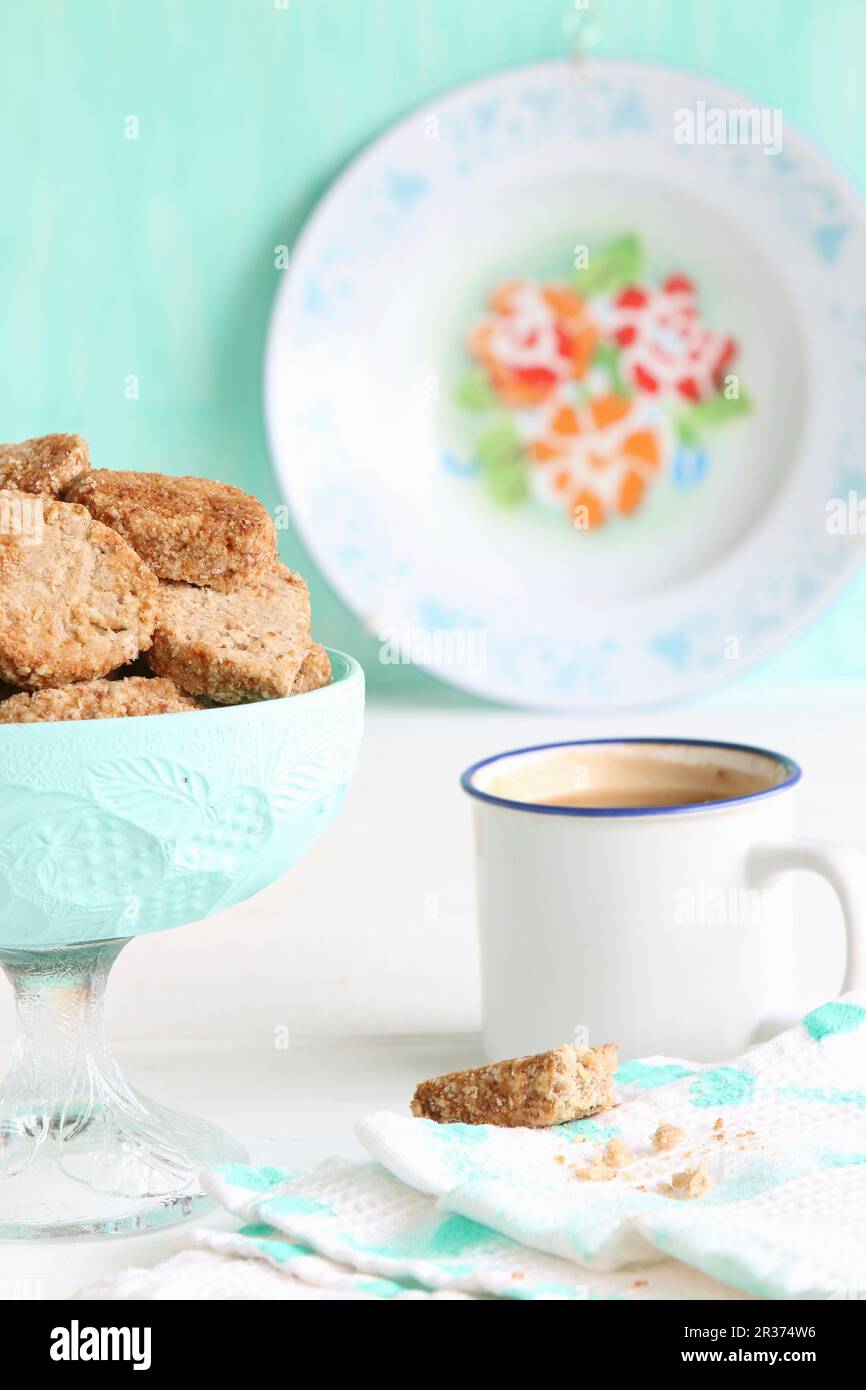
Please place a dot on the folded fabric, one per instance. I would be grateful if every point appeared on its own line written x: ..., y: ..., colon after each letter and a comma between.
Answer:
x: 357, y: 1227
x: 475, y: 1211
x: 203, y: 1277
x: 780, y: 1131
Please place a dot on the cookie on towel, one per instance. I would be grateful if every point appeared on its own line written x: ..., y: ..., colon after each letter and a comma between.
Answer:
x: 249, y: 644
x: 75, y: 600
x: 549, y: 1088
x: 101, y: 699
x: 46, y: 465
x: 314, y: 673
x: 189, y: 530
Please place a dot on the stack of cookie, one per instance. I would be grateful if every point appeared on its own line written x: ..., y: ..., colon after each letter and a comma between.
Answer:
x: 140, y: 593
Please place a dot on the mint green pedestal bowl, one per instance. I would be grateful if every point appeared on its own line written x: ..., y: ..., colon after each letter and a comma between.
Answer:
x: 114, y: 828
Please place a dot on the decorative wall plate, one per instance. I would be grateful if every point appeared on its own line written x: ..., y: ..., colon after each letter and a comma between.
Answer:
x: 566, y: 384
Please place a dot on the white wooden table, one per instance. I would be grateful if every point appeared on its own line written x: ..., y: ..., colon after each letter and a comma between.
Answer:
x: 289, y: 1107
x: 368, y: 945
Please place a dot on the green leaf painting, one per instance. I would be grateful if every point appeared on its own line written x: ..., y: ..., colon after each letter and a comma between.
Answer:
x: 500, y: 453
x: 617, y: 265
x: 475, y: 392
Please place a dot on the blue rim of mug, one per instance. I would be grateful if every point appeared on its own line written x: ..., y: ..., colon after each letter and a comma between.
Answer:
x: 792, y: 769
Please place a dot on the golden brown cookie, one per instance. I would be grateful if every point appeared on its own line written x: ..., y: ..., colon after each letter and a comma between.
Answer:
x: 102, y: 699
x: 187, y: 529
x: 314, y: 673
x: 246, y: 645
x: 549, y: 1088
x: 73, y: 604
x: 47, y: 464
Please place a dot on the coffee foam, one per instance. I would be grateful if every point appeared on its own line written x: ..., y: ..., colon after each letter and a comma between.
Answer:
x: 630, y: 775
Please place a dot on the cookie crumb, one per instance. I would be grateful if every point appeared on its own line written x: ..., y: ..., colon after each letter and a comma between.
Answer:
x: 615, y: 1154
x: 720, y: 1124
x: 559, y: 1158
x: 667, y: 1137
x: 692, y: 1182
x: 639, y: 1283
x: 596, y: 1172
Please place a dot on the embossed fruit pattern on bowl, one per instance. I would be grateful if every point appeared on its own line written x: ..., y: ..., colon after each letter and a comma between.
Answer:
x: 111, y: 828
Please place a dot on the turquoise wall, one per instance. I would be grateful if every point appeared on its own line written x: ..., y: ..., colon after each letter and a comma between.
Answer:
x: 154, y: 257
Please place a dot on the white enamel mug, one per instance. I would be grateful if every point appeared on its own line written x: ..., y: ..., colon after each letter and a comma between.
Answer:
x: 667, y: 928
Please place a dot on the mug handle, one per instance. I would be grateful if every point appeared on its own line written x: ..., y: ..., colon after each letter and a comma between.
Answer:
x: 844, y: 868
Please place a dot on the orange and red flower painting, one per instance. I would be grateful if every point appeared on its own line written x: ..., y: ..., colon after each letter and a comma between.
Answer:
x: 594, y: 389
